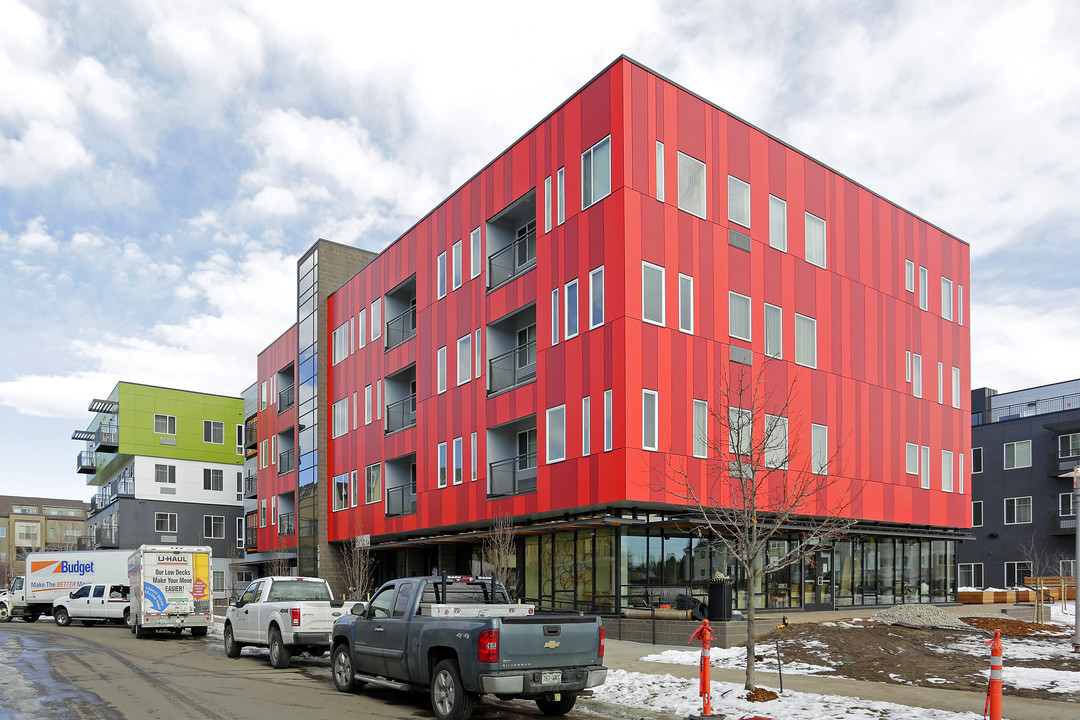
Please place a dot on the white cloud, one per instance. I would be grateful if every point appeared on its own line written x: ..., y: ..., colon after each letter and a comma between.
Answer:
x: 87, y: 241
x: 42, y: 153
x: 34, y: 239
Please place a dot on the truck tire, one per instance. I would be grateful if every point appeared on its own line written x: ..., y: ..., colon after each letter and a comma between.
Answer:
x: 556, y: 707
x: 127, y: 616
x: 449, y: 700
x: 61, y: 617
x: 5, y: 613
x: 198, y: 632
x: 344, y: 673
x: 232, y: 648
x: 280, y: 656
x: 31, y: 617
x: 138, y: 630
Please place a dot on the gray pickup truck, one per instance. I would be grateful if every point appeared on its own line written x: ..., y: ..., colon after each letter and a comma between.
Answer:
x: 460, y: 639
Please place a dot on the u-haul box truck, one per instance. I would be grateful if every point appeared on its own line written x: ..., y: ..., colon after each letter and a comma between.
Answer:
x: 170, y: 589
x: 50, y: 575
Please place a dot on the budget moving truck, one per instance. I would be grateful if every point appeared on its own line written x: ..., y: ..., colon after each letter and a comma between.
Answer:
x: 170, y: 589
x: 50, y: 575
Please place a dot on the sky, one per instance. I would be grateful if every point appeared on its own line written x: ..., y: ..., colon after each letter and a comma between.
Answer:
x: 162, y: 165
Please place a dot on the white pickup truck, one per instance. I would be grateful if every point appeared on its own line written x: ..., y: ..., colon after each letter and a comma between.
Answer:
x: 286, y: 614
x: 93, y: 604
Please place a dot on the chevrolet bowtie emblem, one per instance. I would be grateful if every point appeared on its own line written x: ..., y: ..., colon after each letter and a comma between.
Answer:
x: 551, y: 644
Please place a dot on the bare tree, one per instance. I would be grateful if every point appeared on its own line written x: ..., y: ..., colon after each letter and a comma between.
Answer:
x: 279, y: 562
x: 1042, y: 563
x: 500, y: 551
x: 765, y: 483
x: 358, y: 562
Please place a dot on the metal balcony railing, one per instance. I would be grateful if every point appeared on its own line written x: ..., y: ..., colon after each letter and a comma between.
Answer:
x: 86, y: 462
x: 513, y: 368
x: 251, y: 438
x: 514, y: 476
x: 400, y: 501
x: 1020, y: 410
x: 401, y: 414
x: 514, y: 259
x: 285, y: 462
x: 106, y: 537
x: 251, y: 538
x: 107, y: 438
x: 1058, y: 524
x: 286, y: 524
x: 251, y: 485
x: 286, y: 399
x: 401, y: 328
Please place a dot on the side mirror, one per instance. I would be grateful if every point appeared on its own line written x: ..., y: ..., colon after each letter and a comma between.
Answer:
x: 71, y: 594
x: 359, y: 608
x: 232, y: 601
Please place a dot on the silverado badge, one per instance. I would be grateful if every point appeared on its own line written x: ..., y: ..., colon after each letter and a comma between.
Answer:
x: 551, y: 644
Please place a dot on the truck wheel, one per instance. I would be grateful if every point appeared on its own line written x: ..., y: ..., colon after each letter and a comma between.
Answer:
x: 232, y: 648
x: 556, y: 707
x: 127, y: 616
x: 448, y: 697
x: 138, y: 630
x: 61, y: 617
x: 5, y: 613
x: 280, y: 657
x: 344, y: 674
x: 198, y: 632
x: 31, y: 617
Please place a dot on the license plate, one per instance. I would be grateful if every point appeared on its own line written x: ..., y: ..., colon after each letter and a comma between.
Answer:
x: 552, y: 677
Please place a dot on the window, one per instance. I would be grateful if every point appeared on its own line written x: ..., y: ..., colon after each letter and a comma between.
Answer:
x: 609, y: 430
x: 956, y: 387
x: 473, y: 457
x: 361, y: 327
x: 586, y: 431
x: 1067, y: 568
x: 213, y: 480
x: 478, y: 359
x: 440, y: 275
x: 373, y: 483
x: 911, y: 465
x: 341, y: 492
x: 262, y: 513
x: 660, y: 171
x: 441, y: 364
x: 351, y: 500
x: 164, y: 522
x: 691, y: 185
x: 547, y: 204
x: 959, y: 304
x: 571, y: 318
x: 946, y: 298
x: 166, y: 424
x: 777, y: 223
x: 686, y: 303
x: 925, y: 468
x: 1065, y: 505
x: 738, y: 316
x: 561, y: 190
x: 738, y: 210
x: 960, y: 474
x: 367, y: 404
x: 464, y: 359
x: 652, y: 293
x: 165, y: 474
x: 805, y: 341
x: 976, y: 513
x: 262, y: 455
x: 555, y: 316
x: 907, y: 365
x: 595, y: 173
x: 262, y: 404
x: 923, y: 289
x: 819, y: 449
x: 976, y: 460
x: 219, y: 581
x: 240, y: 544
x: 459, y: 459
x: 376, y: 318
x: 1017, y: 572
x: 776, y: 442
x: 815, y: 240
x: 650, y: 419
x: 213, y: 431
x: 1018, y: 510
x: 239, y: 439
x: 940, y: 385
x: 596, y: 297
x: 946, y: 471
x: 340, y: 342
x: 701, y: 428
x: 556, y: 434
x: 456, y: 265
x: 774, y: 331
x: 475, y: 253
x: 1069, y: 445
x: 1018, y: 454
x: 969, y: 575
x: 916, y: 375
x: 909, y: 276
x: 355, y: 408
x: 740, y: 431
x: 442, y: 465
x: 214, y: 527
x: 339, y: 420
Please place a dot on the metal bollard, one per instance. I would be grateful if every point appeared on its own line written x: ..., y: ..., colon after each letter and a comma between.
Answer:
x: 704, y: 634
x: 993, y: 690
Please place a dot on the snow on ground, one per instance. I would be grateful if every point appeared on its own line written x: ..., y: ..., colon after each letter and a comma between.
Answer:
x: 1056, y: 681
x: 735, y: 659
x: 680, y: 697
x: 1063, y: 616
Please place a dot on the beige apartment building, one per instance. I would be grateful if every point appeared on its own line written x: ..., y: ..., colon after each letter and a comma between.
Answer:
x: 29, y: 524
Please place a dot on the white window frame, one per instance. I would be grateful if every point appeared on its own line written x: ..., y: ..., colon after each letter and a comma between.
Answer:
x: 946, y: 298
x: 959, y: 304
x: 819, y: 449
x: 476, y: 256
x: 775, y: 447
x: 812, y: 252
x: 555, y: 317
x: 916, y: 375
x: 458, y: 476
x: 340, y: 489
x: 213, y: 527
x: 171, y: 522
x: 1005, y: 455
x: 440, y: 371
x: 340, y: 343
x: 594, y: 196
x: 803, y: 325
x: 214, y: 428
x: 373, y: 491
x: 746, y: 314
x: 907, y: 366
x: 473, y: 468
x: 924, y: 290
x: 440, y: 276
x: 660, y: 171
x: 553, y: 432
x: 1017, y: 564
x: 924, y: 468
x: 960, y: 568
x: 376, y: 319
x: 355, y: 409
x: 909, y: 276
x: 596, y: 297
x: 571, y: 315
x: 911, y: 458
x: 976, y: 451
x: 262, y: 512
x: 1015, y: 506
x: 777, y: 318
x: 740, y: 431
x: 699, y: 422
x: 561, y: 190
x: 367, y: 404
x: 352, y: 490
x: 956, y: 387
x: 339, y: 418
x: 650, y: 443
x: 457, y: 270
x: 778, y: 223
x: 981, y: 518
x: 478, y: 358
x: 464, y: 362
x: 609, y: 427
x: 686, y: 304
x: 735, y: 185
x: 1066, y: 509
x: 586, y: 430
x: 688, y: 164
x: 547, y: 204
x: 361, y: 327
x: 647, y: 266
x: 947, y: 471
x: 940, y: 383
x: 441, y: 473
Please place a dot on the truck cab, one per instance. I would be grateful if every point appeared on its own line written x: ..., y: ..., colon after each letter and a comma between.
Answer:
x: 92, y: 604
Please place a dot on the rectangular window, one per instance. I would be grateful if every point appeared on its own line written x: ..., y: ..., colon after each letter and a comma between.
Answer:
x: 969, y: 575
x: 960, y: 474
x: 596, y: 173
x: 940, y: 385
x: 464, y: 359
x: 213, y: 431
x: 976, y: 513
x: 340, y: 342
x: 976, y: 460
x: 740, y: 431
x: 777, y: 223
x: 570, y: 320
x: 476, y: 253
x: 586, y: 430
x: 441, y: 363
x: 376, y: 319
x: 378, y: 399
x: 1065, y: 505
x: 350, y: 321
x: 609, y: 429
x: 341, y: 491
x: 165, y: 474
x: 925, y: 468
x: 561, y: 190
x: 440, y: 275
x: 909, y: 276
x: 339, y: 419
x: 946, y: 298
x: 547, y: 204
x: 1018, y: 510
x: 596, y: 298
x: 650, y: 419
x: 214, y: 527
x: 1067, y: 568
x: 355, y: 407
x: 946, y: 471
x: 263, y: 462
x: 361, y: 327
x: 923, y: 287
x: 213, y: 480
x: 555, y: 316
x: 1069, y: 445
x: 373, y: 483
x: 738, y: 316
x: 701, y: 428
x: 239, y: 439
x: 1018, y: 454
x: 956, y: 387
x: 916, y: 375
x: 367, y: 404
x: 556, y: 434
x: 686, y: 303
x: 478, y: 358
x: 959, y: 304
x: 442, y: 465
x: 473, y: 458
x: 652, y: 293
x: 775, y: 443
x: 819, y: 449
x: 774, y: 331
x: 262, y: 403
x: 164, y: 522
x: 691, y: 185
x: 456, y: 265
x: 907, y: 365
x: 353, y: 492
x: 805, y: 341
x: 815, y: 241
x: 459, y: 458
x: 262, y: 513
x: 660, y: 171
x: 1016, y: 572
x: 911, y: 464
x: 738, y: 210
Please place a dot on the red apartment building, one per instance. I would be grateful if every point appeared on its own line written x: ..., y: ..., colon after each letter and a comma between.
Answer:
x: 549, y: 340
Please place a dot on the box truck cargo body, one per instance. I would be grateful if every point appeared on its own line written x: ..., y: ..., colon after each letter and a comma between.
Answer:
x: 170, y: 589
x: 50, y: 575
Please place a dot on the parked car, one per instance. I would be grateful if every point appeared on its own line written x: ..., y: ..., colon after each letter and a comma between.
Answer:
x: 93, y: 604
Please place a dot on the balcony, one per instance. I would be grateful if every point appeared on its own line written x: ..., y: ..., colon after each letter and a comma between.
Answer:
x: 513, y: 368
x: 1022, y: 410
x: 1057, y: 524
x: 107, y: 438
x: 286, y: 399
x: 286, y: 524
x: 514, y: 476
x: 251, y: 437
x: 86, y: 463
x: 1059, y: 465
x: 401, y: 414
x: 251, y: 539
x: 401, y: 328
x: 400, y: 501
x: 85, y: 542
x: 285, y: 462
x: 106, y: 536
x: 515, y: 259
x: 400, y: 305
x: 251, y: 485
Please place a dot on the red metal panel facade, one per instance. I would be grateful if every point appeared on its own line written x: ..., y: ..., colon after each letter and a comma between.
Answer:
x: 273, y: 420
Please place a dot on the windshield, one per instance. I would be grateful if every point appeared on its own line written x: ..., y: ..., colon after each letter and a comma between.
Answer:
x: 299, y: 590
